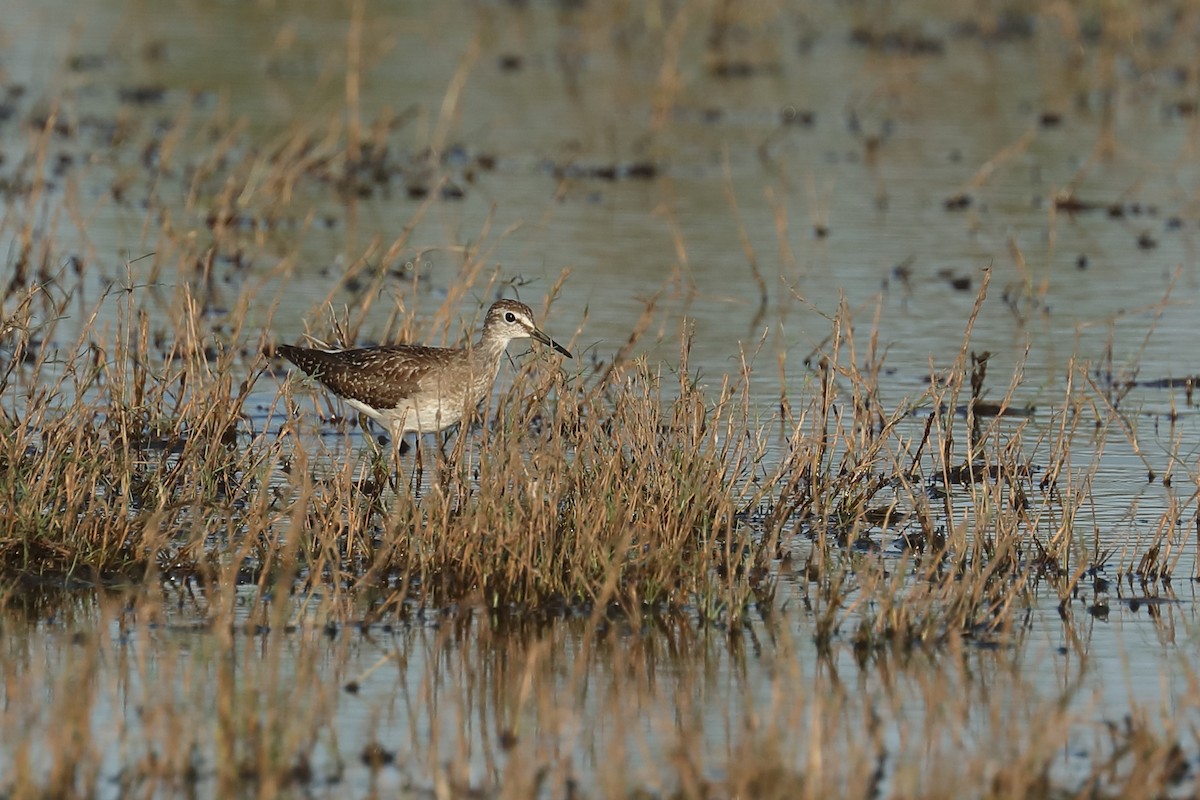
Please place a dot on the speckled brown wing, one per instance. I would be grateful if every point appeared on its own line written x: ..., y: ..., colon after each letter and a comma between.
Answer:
x: 381, y: 377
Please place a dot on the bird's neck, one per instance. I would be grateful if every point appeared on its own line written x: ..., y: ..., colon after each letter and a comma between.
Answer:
x: 487, y: 352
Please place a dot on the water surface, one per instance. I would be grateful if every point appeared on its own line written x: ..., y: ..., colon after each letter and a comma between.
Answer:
x: 746, y: 192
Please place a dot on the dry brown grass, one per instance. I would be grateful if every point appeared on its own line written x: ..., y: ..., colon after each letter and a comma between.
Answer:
x: 549, y: 607
x: 131, y: 457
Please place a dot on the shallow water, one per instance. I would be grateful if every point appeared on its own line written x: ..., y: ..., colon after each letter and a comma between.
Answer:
x: 844, y: 160
x: 442, y: 694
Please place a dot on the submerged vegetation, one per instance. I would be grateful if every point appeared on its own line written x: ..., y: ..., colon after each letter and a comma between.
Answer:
x: 213, y: 581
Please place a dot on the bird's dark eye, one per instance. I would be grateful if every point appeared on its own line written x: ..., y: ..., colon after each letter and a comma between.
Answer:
x: 510, y: 316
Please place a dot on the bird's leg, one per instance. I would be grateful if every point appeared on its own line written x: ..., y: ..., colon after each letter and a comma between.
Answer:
x: 375, y: 459
x: 412, y: 480
x: 364, y: 425
x: 390, y: 470
x: 418, y: 469
x: 378, y: 467
x: 443, y: 458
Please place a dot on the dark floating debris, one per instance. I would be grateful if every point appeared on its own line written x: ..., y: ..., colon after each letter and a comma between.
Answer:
x: 640, y: 170
x: 142, y: 95
x: 155, y: 51
x: 643, y: 170
x: 972, y: 473
x: 1073, y: 205
x: 1146, y: 242
x: 987, y: 408
x: 86, y: 62
x: 510, y: 62
x: 374, y: 755
x: 902, y: 41
x: 1136, y: 603
x: 40, y: 120
x: 243, y: 222
x: 1010, y: 25
x: 1050, y: 119
x: 742, y: 69
x: 958, y: 202
x: 1182, y: 108
x: 1188, y: 382
x: 883, y: 516
x: 960, y: 283
x: 802, y: 117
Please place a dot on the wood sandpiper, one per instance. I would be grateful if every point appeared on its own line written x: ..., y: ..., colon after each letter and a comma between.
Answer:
x: 415, y: 389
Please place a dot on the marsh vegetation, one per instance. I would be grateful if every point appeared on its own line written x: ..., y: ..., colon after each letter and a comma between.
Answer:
x: 940, y: 543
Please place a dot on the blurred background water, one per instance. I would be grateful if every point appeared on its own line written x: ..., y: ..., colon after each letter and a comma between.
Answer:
x: 747, y: 175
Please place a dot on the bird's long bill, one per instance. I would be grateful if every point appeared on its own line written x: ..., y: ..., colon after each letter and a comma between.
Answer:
x: 544, y: 339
